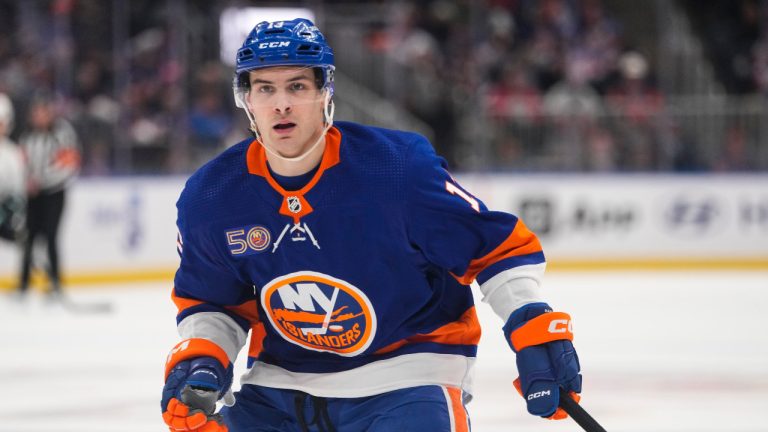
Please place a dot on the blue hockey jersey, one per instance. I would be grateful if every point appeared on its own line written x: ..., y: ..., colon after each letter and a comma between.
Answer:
x: 356, y: 284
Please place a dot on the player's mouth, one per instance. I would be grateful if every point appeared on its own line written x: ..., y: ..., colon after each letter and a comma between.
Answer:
x: 284, y: 127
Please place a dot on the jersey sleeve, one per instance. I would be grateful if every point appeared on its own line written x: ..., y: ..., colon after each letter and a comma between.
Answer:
x: 455, y: 230
x: 213, y: 303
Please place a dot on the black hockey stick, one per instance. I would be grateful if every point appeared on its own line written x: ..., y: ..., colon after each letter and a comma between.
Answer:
x: 579, y: 414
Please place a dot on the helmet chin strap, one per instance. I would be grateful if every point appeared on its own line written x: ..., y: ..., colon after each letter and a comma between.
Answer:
x: 328, y: 110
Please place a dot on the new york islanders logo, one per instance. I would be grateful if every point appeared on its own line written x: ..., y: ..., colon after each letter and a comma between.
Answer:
x: 321, y: 313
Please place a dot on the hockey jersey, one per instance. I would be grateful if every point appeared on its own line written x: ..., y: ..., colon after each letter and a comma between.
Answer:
x: 356, y: 284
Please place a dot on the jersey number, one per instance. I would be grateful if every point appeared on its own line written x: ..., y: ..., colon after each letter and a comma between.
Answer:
x: 455, y: 190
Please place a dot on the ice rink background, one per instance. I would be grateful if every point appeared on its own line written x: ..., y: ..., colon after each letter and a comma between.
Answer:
x: 660, y: 351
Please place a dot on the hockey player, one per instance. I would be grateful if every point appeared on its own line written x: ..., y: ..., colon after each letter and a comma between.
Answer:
x: 346, y: 251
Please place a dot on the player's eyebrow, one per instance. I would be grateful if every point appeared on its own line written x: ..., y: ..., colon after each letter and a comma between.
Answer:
x: 293, y: 79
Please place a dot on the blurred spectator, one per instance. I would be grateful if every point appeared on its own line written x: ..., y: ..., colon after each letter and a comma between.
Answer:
x: 573, y: 108
x: 728, y: 29
x: 11, y: 177
x: 209, y: 125
x: 599, y: 41
x: 52, y: 156
x: 735, y: 154
x: 484, y: 76
x: 95, y: 113
x: 418, y: 82
x: 601, y: 147
x: 514, y: 96
x: 574, y: 98
x: 636, y: 106
x: 514, y: 106
x: 634, y: 96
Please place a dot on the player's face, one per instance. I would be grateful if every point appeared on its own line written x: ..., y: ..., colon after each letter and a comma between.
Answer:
x: 288, y: 107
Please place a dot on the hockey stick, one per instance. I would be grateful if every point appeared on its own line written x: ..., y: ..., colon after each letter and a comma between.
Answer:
x: 87, y: 308
x: 65, y: 301
x: 579, y: 414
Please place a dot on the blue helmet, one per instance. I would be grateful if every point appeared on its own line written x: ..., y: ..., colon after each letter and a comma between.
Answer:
x: 283, y: 43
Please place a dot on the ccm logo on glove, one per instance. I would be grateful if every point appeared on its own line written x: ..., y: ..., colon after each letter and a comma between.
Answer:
x: 561, y: 326
x: 539, y: 394
x: 178, y: 348
x: 544, y: 328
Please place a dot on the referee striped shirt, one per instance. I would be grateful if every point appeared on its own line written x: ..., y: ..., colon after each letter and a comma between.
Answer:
x: 52, y: 156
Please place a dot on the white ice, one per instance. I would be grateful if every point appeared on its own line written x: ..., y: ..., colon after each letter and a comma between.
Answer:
x: 660, y: 351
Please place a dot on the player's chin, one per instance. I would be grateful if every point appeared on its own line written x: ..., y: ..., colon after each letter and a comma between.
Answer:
x: 288, y: 151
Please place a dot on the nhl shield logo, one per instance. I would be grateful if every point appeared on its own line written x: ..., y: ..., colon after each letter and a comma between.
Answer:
x: 294, y: 204
x: 320, y: 313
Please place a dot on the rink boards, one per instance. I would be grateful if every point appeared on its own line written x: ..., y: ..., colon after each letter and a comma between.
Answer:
x: 123, y: 229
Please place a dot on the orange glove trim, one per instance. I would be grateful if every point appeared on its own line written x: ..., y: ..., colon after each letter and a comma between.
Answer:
x: 195, y: 347
x: 178, y: 419
x: 544, y: 328
x: 560, y: 413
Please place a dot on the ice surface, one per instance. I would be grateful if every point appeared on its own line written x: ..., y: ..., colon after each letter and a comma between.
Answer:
x: 660, y: 352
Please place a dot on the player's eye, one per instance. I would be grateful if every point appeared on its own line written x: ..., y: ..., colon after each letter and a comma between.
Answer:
x: 296, y: 86
x: 266, y: 89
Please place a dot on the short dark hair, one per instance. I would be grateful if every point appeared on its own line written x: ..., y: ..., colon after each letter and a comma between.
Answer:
x: 318, y: 77
x: 244, y: 81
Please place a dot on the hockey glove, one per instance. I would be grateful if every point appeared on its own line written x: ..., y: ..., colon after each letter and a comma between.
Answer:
x: 197, y: 374
x: 546, y: 360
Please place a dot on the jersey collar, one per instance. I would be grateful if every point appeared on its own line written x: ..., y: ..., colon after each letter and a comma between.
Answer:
x: 256, y: 159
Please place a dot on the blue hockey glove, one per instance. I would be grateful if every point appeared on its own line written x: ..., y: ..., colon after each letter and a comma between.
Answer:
x: 197, y: 374
x: 546, y: 360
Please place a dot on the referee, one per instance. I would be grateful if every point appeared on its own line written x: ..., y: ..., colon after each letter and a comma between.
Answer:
x: 51, y: 151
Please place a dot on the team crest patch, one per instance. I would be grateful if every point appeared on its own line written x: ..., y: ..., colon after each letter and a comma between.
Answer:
x: 320, y: 313
x: 248, y: 240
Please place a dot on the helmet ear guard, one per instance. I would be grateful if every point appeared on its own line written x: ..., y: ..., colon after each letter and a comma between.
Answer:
x: 240, y: 90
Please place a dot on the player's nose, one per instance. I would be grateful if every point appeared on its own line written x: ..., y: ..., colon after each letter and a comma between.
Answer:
x: 282, y: 102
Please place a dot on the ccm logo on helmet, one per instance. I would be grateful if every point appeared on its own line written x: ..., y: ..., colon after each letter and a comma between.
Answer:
x: 539, y: 394
x: 273, y: 45
x: 560, y: 326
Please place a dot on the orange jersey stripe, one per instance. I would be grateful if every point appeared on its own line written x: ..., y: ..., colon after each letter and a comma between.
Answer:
x: 258, y: 333
x: 521, y: 242
x: 248, y: 310
x: 182, y: 303
x: 459, y: 414
x: 465, y: 331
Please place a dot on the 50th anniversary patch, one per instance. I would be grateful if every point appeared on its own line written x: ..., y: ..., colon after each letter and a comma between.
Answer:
x: 248, y: 240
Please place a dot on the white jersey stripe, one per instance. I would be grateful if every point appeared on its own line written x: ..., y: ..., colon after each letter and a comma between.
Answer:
x: 396, y: 373
x: 449, y: 403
